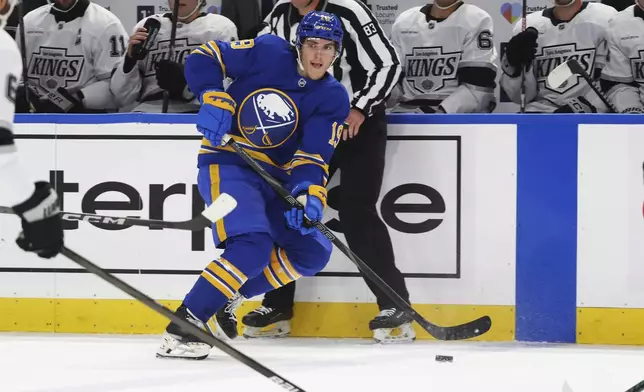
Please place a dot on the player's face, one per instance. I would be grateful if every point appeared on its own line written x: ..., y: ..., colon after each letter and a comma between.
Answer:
x: 64, y: 4
x: 186, y: 7
x: 317, y: 56
x: 565, y: 3
x: 302, y: 3
x: 4, y: 7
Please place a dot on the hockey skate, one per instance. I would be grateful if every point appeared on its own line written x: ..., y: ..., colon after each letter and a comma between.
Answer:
x: 266, y: 322
x: 225, y: 320
x: 392, y: 326
x: 179, y: 344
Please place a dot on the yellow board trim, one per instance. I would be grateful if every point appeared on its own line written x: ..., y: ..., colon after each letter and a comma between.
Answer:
x: 214, y: 194
x: 312, y: 319
x: 610, y: 326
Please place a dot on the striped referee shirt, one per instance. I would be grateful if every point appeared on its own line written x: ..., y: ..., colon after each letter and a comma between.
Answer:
x: 369, y: 66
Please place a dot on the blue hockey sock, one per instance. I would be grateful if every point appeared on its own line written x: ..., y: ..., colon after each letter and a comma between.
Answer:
x: 277, y: 273
x: 244, y: 258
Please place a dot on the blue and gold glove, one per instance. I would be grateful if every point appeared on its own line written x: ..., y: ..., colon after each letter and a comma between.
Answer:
x: 313, y: 198
x: 215, y: 116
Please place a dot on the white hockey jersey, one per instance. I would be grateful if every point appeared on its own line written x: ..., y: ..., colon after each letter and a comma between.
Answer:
x: 76, y: 50
x: 582, y: 38
x: 15, y: 185
x: 623, y: 75
x: 448, y: 62
x: 140, y: 83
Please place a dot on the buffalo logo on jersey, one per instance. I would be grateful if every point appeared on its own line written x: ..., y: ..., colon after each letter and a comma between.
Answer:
x: 267, y: 118
x: 428, y: 69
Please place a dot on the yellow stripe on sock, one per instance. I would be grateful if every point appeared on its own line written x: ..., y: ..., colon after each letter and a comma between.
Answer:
x: 271, y: 279
x: 224, y: 275
x: 286, y: 263
x: 276, y: 267
x: 232, y: 268
x: 218, y: 285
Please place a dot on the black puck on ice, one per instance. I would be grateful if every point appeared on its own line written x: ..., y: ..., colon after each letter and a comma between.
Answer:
x: 444, y: 358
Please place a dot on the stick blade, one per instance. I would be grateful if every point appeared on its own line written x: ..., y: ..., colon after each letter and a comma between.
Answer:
x: 220, y: 207
x: 560, y: 75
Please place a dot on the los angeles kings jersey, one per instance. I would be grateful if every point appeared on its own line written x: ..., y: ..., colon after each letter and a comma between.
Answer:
x: 582, y: 38
x: 447, y: 62
x: 140, y: 83
x: 76, y: 50
x: 15, y: 185
x: 623, y: 75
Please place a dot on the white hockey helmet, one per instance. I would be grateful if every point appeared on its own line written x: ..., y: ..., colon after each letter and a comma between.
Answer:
x: 6, y: 8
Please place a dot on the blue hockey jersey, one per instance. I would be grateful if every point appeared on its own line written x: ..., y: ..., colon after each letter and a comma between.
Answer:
x: 288, y: 123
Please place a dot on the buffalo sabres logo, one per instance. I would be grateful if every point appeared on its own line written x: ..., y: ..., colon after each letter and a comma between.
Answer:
x: 267, y: 118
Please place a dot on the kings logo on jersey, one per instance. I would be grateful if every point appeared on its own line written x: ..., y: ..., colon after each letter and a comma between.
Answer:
x: 53, y: 67
x: 267, y: 118
x: 182, y: 48
x: 428, y: 69
x: 553, y: 56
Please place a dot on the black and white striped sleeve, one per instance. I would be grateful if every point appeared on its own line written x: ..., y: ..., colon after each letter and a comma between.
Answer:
x: 375, y: 53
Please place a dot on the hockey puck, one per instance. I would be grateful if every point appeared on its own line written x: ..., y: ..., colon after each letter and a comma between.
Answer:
x: 444, y: 358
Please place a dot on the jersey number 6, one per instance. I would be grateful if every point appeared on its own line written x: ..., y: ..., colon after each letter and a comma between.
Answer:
x: 485, y: 40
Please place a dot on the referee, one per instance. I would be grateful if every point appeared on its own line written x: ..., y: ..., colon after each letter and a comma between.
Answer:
x: 369, y: 67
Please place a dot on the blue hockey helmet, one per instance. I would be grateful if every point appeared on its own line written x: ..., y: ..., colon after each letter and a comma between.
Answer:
x: 319, y: 24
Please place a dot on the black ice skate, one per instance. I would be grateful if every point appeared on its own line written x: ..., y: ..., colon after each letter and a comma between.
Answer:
x: 392, y: 320
x: 225, y: 319
x: 180, y: 344
x: 267, y: 322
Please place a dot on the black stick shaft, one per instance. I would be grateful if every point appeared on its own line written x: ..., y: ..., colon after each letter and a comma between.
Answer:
x: 185, y: 325
x: 524, y: 10
x: 465, y: 331
x: 173, y: 36
x: 23, y: 49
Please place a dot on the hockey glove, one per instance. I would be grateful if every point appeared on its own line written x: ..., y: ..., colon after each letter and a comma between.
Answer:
x: 522, y: 49
x: 215, y: 115
x: 42, y: 224
x: 170, y: 77
x: 313, y: 198
x: 577, y: 105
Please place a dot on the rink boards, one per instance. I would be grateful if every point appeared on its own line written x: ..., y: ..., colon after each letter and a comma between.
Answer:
x: 533, y: 220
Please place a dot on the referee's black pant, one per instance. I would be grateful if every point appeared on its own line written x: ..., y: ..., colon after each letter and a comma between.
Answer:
x: 362, y: 163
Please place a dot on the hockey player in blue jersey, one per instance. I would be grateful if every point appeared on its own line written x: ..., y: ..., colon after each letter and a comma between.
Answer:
x: 287, y: 112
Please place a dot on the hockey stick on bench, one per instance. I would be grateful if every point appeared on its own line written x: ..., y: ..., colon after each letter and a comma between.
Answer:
x: 566, y: 70
x: 185, y: 325
x: 458, y: 332
x: 200, y: 222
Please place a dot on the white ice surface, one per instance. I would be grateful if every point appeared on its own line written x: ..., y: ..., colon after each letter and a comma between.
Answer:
x: 102, y: 363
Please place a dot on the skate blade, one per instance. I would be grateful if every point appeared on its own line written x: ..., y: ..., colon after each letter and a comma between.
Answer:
x: 403, y: 334
x: 173, y: 348
x: 279, y: 329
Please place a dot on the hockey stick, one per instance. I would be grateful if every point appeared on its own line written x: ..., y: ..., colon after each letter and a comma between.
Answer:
x: 217, y: 210
x: 173, y: 36
x: 523, y: 69
x: 639, y: 387
x: 564, y: 71
x: 458, y: 332
x: 185, y: 325
x: 23, y: 51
